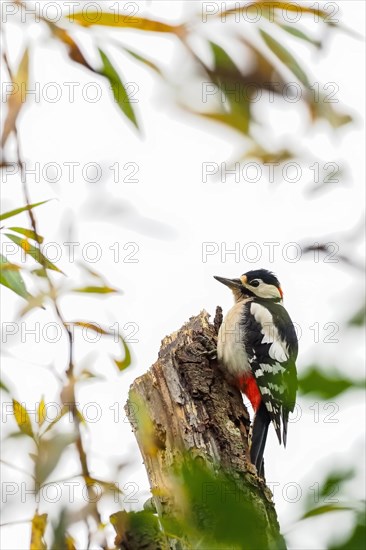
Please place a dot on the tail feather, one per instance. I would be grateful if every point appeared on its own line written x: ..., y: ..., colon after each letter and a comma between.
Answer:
x: 259, y: 437
x: 284, y: 423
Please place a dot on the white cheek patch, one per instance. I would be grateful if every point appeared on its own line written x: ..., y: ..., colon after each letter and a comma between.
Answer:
x: 267, y: 291
x: 278, y: 350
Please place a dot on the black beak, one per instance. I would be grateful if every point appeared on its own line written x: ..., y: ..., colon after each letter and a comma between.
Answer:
x: 231, y: 283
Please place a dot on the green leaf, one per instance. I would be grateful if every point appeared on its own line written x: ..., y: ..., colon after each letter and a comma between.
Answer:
x: 356, y: 539
x: 334, y: 480
x: 126, y: 362
x: 39, y: 272
x: 16, y: 435
x: 92, y: 272
x: 326, y: 509
x: 49, y: 454
x: 321, y: 108
x: 329, y: 491
x: 300, y: 34
x: 118, y: 88
x: 22, y: 209
x: 143, y: 60
x: 33, y: 251
x: 124, y: 20
x: 228, y: 77
x: 61, y: 538
x: 61, y: 414
x: 137, y: 530
x: 11, y: 278
x: 4, y: 387
x: 33, y: 302
x: 22, y: 418
x: 95, y: 290
x: 286, y: 57
x: 222, y: 59
x: 87, y: 375
x: 359, y: 318
x: 326, y: 385
x: 121, y: 364
x: 236, y: 121
x: 266, y: 156
x: 215, y: 500
x: 28, y: 233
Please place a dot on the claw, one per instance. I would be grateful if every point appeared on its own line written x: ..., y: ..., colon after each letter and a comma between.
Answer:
x: 210, y: 351
x: 211, y: 354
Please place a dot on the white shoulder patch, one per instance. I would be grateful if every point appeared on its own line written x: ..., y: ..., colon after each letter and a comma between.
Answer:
x: 278, y: 350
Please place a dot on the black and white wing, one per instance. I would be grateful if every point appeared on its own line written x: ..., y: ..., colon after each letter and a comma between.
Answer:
x: 271, y: 346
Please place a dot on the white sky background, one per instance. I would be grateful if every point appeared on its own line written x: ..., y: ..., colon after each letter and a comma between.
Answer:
x: 169, y: 213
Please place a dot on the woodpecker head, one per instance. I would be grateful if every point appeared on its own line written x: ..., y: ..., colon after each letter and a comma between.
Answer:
x: 258, y: 283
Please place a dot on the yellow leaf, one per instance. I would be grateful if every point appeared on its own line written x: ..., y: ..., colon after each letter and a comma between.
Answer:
x: 107, y: 486
x: 88, y: 19
x: 95, y: 290
x: 17, y: 96
x: 22, y: 418
x: 33, y: 251
x: 235, y: 121
x: 28, y: 233
x: 25, y: 244
x: 119, y: 520
x: 80, y: 417
x: 69, y: 542
x: 39, y: 523
x: 91, y: 326
x: 10, y: 267
x: 145, y: 426
x: 41, y: 416
x: 33, y: 302
x: 73, y: 49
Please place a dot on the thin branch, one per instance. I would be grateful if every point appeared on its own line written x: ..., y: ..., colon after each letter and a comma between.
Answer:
x: 17, y: 468
x: 17, y: 522
x: 53, y: 295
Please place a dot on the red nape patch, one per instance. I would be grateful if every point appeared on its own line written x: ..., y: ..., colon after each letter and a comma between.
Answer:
x: 248, y: 386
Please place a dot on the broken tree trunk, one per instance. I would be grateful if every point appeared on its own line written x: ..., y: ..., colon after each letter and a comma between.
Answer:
x: 183, y: 404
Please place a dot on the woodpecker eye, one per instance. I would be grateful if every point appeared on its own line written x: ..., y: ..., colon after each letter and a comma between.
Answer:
x: 254, y: 283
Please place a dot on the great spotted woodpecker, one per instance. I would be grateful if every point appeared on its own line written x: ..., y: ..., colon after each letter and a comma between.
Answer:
x: 257, y: 348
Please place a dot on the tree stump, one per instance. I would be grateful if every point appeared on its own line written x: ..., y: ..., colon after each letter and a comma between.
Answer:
x: 183, y: 404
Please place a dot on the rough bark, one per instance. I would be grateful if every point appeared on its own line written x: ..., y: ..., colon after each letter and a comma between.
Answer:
x: 193, y: 409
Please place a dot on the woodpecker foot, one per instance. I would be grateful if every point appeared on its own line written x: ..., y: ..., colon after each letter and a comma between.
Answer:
x: 210, y: 348
x: 210, y: 354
